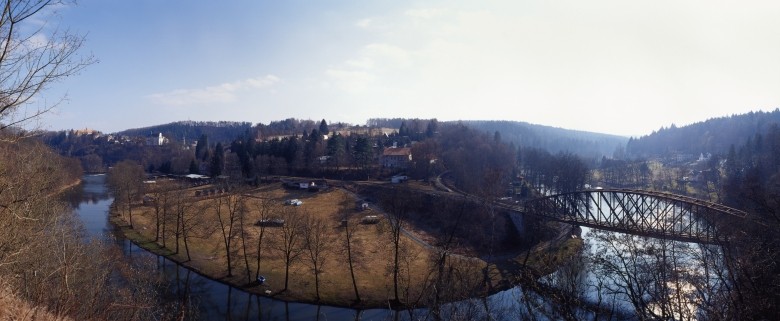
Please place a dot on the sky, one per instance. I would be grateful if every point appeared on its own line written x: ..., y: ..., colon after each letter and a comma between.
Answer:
x: 610, y: 66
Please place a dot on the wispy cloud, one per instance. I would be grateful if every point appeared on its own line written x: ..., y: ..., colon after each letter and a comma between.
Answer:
x: 222, y: 93
x: 364, y: 23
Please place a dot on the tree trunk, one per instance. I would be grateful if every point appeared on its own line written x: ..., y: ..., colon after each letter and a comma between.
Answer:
x: 157, y: 222
x: 165, y: 218
x: 130, y: 208
x: 317, y: 280
x: 349, y: 260
x: 178, y: 231
x: 396, y: 245
x: 259, y: 248
x: 184, y: 237
x: 286, y: 272
x: 243, y: 245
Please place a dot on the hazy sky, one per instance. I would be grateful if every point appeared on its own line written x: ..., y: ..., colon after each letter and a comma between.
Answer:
x: 612, y: 66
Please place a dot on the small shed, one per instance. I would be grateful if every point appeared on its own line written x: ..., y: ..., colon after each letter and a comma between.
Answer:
x: 369, y: 219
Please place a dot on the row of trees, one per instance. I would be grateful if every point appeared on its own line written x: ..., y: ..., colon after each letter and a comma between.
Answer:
x: 311, y: 154
x: 179, y: 217
x: 623, y: 173
x: 560, y: 173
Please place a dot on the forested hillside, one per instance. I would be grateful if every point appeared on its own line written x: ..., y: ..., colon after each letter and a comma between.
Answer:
x: 217, y: 131
x: 552, y: 139
x: 714, y: 135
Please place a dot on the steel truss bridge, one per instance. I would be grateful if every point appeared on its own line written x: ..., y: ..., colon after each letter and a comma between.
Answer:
x: 639, y: 212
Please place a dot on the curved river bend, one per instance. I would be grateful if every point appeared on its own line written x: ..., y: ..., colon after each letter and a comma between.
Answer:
x: 215, y: 300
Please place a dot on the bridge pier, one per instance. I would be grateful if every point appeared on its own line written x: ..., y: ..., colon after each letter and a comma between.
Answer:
x: 518, y: 220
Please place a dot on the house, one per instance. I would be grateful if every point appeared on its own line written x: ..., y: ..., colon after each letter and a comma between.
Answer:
x: 396, y: 157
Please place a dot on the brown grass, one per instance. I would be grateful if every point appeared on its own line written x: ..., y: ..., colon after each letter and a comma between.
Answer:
x: 372, y: 247
x: 12, y: 308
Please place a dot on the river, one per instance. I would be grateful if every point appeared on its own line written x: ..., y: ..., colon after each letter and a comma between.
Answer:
x: 584, y: 277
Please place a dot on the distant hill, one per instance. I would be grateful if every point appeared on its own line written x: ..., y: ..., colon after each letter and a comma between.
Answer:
x: 218, y: 131
x: 553, y: 139
x: 714, y: 135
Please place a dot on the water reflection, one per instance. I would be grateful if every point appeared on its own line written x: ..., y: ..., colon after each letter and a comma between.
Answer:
x: 91, y: 191
x: 622, y: 276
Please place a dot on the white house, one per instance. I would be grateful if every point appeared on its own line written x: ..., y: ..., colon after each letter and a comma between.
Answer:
x: 157, y: 141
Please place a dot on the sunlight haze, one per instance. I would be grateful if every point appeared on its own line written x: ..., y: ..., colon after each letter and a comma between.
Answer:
x: 617, y: 67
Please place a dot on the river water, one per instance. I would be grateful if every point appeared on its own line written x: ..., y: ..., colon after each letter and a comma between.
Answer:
x: 216, y: 301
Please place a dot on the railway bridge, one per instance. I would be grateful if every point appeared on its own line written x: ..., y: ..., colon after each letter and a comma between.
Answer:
x: 639, y: 212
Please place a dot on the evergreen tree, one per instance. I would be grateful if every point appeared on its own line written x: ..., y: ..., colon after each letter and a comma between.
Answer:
x: 403, y: 130
x: 363, y: 153
x: 217, y: 161
x: 336, y: 149
x: 324, y: 127
x: 166, y: 167
x: 193, y: 167
x: 202, y: 147
x: 432, y: 128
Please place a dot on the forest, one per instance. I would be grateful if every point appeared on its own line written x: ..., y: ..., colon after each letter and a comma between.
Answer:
x: 714, y: 135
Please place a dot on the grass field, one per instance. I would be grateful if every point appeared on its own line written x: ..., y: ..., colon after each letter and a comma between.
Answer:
x: 372, y: 248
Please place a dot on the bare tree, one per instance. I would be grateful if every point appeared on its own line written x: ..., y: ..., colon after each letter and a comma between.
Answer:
x: 29, y: 65
x: 164, y: 201
x: 126, y: 180
x: 242, y: 228
x: 227, y: 223
x: 346, y: 207
x: 187, y: 219
x: 398, y: 204
x: 445, y: 282
x: 265, y: 209
x: 317, y: 242
x: 157, y: 192
x: 290, y: 239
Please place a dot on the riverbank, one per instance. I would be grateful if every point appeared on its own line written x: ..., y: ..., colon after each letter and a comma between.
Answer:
x: 373, y: 267
x: 371, y: 249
